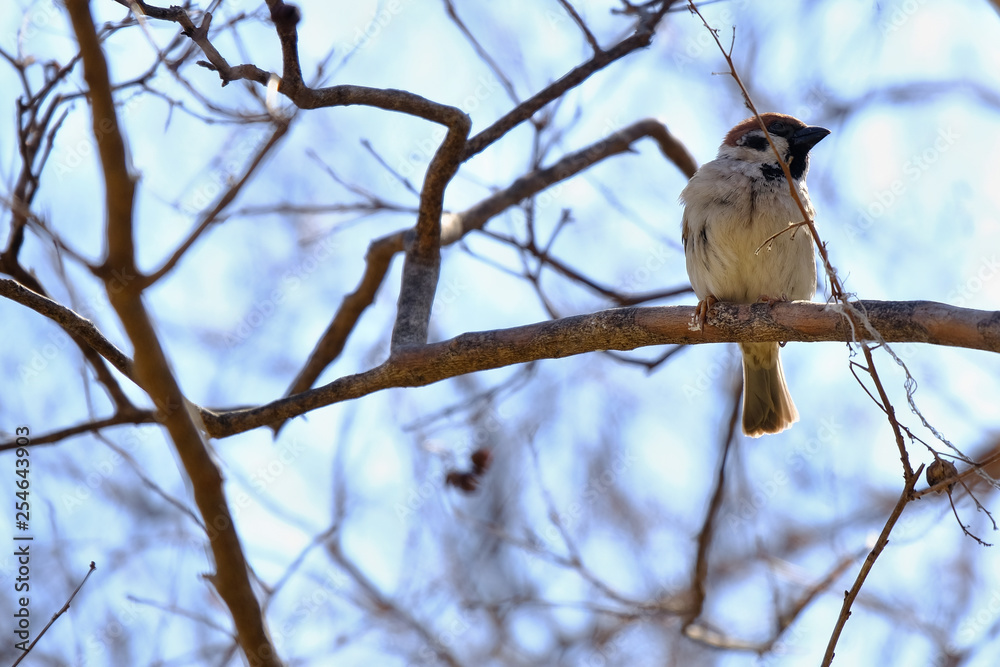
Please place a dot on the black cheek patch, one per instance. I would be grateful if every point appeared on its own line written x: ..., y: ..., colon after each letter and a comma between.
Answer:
x: 756, y: 142
x: 798, y: 163
x: 771, y: 172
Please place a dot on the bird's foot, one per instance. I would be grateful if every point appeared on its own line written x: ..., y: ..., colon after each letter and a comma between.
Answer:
x: 771, y: 300
x: 701, y: 312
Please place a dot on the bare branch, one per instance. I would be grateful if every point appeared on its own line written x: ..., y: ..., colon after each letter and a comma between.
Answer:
x: 456, y: 226
x: 122, y: 417
x: 55, y: 616
x: 80, y: 328
x: 707, y: 532
x: 627, y: 329
x: 383, y: 604
x: 152, y: 371
x: 571, y: 10
x: 480, y: 51
x: 641, y: 38
x: 423, y: 260
x: 225, y: 199
x: 880, y: 544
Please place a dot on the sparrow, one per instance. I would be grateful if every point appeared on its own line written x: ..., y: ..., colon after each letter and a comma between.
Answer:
x: 732, y: 206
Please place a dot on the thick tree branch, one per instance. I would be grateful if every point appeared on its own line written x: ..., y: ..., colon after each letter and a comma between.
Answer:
x: 152, y: 371
x: 571, y: 165
x: 627, y: 329
x: 423, y: 255
x: 616, y: 329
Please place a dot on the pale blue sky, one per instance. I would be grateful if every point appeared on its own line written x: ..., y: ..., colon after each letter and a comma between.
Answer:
x: 905, y: 190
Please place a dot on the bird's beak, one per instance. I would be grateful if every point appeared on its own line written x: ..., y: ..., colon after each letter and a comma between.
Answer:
x: 808, y: 137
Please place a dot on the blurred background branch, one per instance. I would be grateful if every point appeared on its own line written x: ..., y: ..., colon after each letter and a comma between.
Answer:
x: 497, y: 496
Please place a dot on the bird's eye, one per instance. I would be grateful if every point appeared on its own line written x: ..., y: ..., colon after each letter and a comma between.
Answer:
x: 776, y: 127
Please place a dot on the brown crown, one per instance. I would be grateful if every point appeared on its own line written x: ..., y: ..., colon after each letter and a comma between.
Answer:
x: 751, y: 123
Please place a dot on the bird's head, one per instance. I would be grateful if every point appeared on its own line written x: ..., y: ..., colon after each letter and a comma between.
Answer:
x: 793, y: 139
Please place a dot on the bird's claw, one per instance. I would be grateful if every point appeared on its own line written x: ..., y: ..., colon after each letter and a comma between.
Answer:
x: 701, y: 312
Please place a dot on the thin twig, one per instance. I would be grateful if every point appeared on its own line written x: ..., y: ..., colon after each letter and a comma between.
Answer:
x: 383, y: 604
x: 55, y: 437
x: 790, y: 229
x: 211, y: 216
x: 707, y: 531
x: 641, y: 38
x: 55, y: 616
x: 880, y: 544
x: 481, y: 51
x: 571, y: 10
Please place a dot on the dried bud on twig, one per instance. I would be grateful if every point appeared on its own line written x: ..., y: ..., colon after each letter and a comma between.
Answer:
x: 940, y: 470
